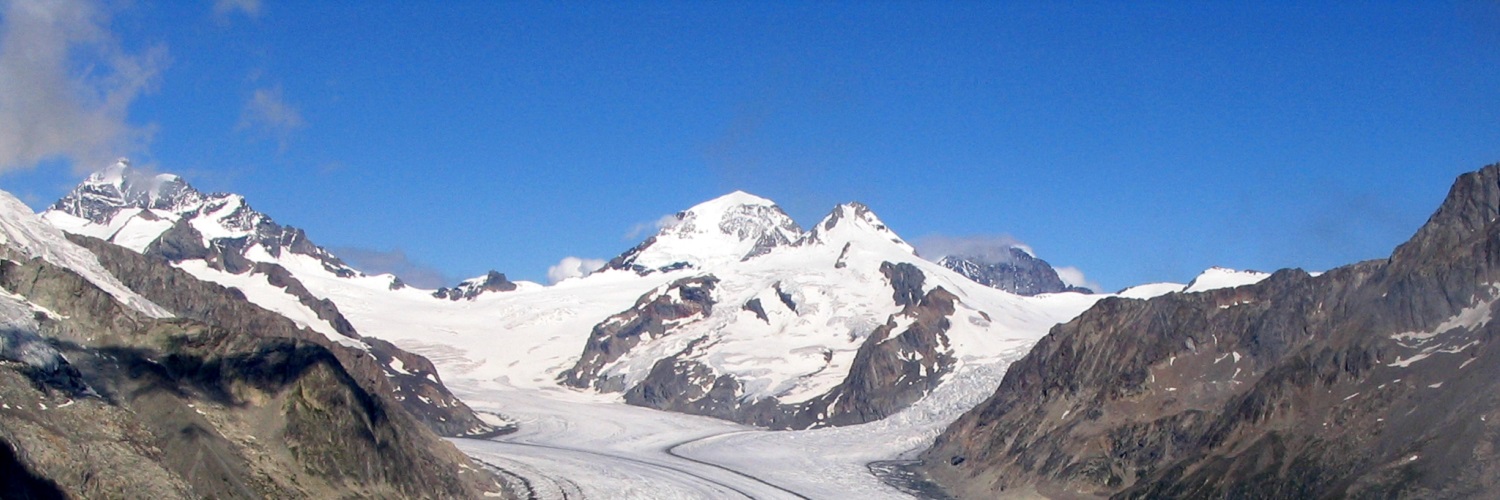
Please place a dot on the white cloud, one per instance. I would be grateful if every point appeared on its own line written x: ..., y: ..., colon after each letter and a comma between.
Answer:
x: 1074, y: 277
x: 268, y: 113
x: 223, y: 8
x: 66, y: 85
x: 573, y: 267
x: 663, y: 222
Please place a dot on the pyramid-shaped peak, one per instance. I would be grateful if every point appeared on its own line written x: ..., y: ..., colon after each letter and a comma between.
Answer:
x: 739, y: 214
x: 853, y: 221
x: 730, y: 228
x: 733, y: 199
x: 852, y: 211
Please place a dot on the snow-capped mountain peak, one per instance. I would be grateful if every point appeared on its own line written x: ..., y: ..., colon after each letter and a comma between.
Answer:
x: 730, y: 228
x: 853, y: 222
x: 136, y: 210
x: 741, y: 215
x: 119, y: 187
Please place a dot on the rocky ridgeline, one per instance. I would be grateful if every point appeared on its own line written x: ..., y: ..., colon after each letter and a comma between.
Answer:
x: 120, y: 198
x: 1371, y: 380
x: 1019, y: 273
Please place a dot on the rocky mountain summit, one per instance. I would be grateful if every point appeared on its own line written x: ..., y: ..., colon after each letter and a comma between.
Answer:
x: 167, y: 216
x: 1370, y: 380
x: 735, y: 227
x: 1018, y: 272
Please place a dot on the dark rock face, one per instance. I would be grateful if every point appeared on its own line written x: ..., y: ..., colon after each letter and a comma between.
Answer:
x: 906, y: 281
x: 467, y: 290
x: 680, y: 300
x: 1371, y: 380
x: 239, y: 406
x: 626, y: 261
x: 1020, y: 273
x: 754, y: 307
x: 894, y: 369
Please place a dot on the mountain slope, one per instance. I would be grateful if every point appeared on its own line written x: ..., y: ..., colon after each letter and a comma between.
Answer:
x: 219, y: 238
x: 107, y: 397
x: 1371, y: 380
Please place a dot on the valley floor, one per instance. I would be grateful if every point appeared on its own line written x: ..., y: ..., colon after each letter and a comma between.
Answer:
x: 580, y: 445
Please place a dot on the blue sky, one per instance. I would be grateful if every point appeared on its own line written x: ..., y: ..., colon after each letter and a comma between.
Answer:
x: 1139, y: 143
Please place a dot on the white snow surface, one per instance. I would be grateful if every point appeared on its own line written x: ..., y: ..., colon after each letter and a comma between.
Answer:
x: 1212, y: 279
x: 25, y: 232
x: 1151, y: 290
x: 1219, y: 277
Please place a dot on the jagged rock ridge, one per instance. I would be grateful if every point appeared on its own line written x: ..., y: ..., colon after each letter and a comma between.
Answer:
x: 163, y: 215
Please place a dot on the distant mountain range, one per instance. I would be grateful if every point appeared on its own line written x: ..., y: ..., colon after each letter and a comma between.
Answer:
x: 731, y: 310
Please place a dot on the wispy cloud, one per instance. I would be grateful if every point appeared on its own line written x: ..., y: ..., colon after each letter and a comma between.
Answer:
x: 1074, y: 277
x: 66, y: 84
x: 642, y: 229
x: 989, y: 249
x: 573, y: 267
x: 268, y: 113
x: 395, y: 262
x: 225, y: 8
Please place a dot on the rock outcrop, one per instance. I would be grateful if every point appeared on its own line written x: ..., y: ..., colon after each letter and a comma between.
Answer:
x: 469, y: 289
x: 651, y: 317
